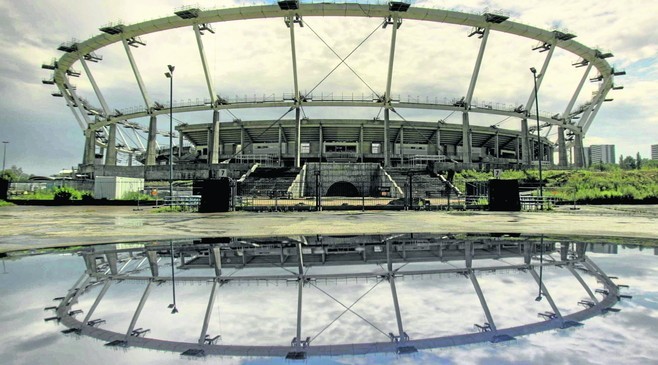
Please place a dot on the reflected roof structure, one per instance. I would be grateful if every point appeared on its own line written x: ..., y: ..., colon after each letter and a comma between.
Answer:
x: 314, y: 270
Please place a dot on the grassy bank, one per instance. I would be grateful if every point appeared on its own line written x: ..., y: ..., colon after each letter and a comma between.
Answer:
x: 584, y: 186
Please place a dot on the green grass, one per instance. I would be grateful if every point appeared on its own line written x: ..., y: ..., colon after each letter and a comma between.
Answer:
x: 614, y: 185
x: 135, y: 195
x: 5, y: 204
x: 45, y: 194
x: 172, y: 209
x: 65, y: 193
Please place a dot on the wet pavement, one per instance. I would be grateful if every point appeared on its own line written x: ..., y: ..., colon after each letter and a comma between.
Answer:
x: 30, y: 227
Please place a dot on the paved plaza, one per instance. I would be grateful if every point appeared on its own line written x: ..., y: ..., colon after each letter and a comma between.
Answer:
x: 28, y: 227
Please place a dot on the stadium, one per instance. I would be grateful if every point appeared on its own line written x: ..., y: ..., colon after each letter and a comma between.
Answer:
x: 370, y: 131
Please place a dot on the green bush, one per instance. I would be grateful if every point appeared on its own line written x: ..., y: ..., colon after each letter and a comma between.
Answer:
x: 65, y: 194
x: 136, y: 195
x: 5, y: 204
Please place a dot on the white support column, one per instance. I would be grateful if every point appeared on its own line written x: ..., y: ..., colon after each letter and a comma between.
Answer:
x: 297, y: 97
x: 217, y: 260
x: 180, y: 144
x: 300, y: 286
x: 153, y: 263
x: 280, y: 146
x: 402, y: 144
x: 575, y: 95
x: 151, y: 144
x: 546, y: 293
x: 76, y: 101
x: 100, y: 296
x: 551, y: 153
x: 90, y: 148
x: 466, y: 128
x: 597, y: 100
x: 138, y: 311
x: 438, y: 141
x: 111, y: 158
x: 94, y: 85
x: 206, y: 319
x: 76, y: 290
x: 602, y: 94
x: 361, y: 148
x: 139, y: 139
x: 466, y: 138
x: 214, y: 143
x: 476, y: 69
x: 123, y: 138
x: 71, y: 104
x: 138, y: 76
x: 497, y: 145
x: 112, y: 259
x: 387, y: 151
x: 298, y: 139
x: 242, y: 146
x: 387, y: 96
x: 583, y: 283
x: 321, y: 146
x: 540, y: 78
x: 483, y: 301
x: 204, y: 63
x: 526, y: 153
x: 561, y: 147
x: 578, y: 150
x: 394, y: 294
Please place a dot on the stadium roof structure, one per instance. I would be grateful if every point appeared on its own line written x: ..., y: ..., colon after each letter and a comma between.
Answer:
x: 100, y: 123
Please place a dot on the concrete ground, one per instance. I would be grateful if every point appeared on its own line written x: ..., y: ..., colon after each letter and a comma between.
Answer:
x: 29, y: 227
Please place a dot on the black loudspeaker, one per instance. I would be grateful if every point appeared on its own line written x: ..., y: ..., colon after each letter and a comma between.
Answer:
x: 215, y: 194
x: 504, y: 196
x: 4, y: 187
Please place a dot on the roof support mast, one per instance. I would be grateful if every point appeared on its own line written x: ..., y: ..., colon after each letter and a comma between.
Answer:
x: 71, y: 104
x: 111, y: 158
x: 290, y: 21
x: 127, y: 43
x: 525, y: 143
x: 396, y: 22
x: 466, y: 128
x: 213, y: 153
x: 562, y: 148
x: 601, y: 98
x: 152, y: 143
x: 483, y: 33
x: 90, y: 135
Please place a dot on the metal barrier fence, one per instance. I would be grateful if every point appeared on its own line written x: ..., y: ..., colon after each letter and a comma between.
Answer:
x: 312, y: 189
x: 185, y: 202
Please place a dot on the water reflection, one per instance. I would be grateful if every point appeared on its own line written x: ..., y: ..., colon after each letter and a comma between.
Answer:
x: 304, y: 296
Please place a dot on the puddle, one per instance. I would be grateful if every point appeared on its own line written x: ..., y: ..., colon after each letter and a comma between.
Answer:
x: 392, y: 298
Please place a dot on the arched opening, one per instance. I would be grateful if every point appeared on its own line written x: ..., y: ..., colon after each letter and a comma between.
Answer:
x: 343, y: 188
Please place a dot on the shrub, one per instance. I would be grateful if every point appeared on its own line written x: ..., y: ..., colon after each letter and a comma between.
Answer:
x: 65, y: 194
x: 136, y: 195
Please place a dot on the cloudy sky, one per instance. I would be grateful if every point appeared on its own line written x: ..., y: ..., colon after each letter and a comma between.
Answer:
x: 253, y: 58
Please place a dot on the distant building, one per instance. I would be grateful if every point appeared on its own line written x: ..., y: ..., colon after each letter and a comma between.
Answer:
x: 587, y: 156
x: 602, y: 153
x: 654, y: 151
